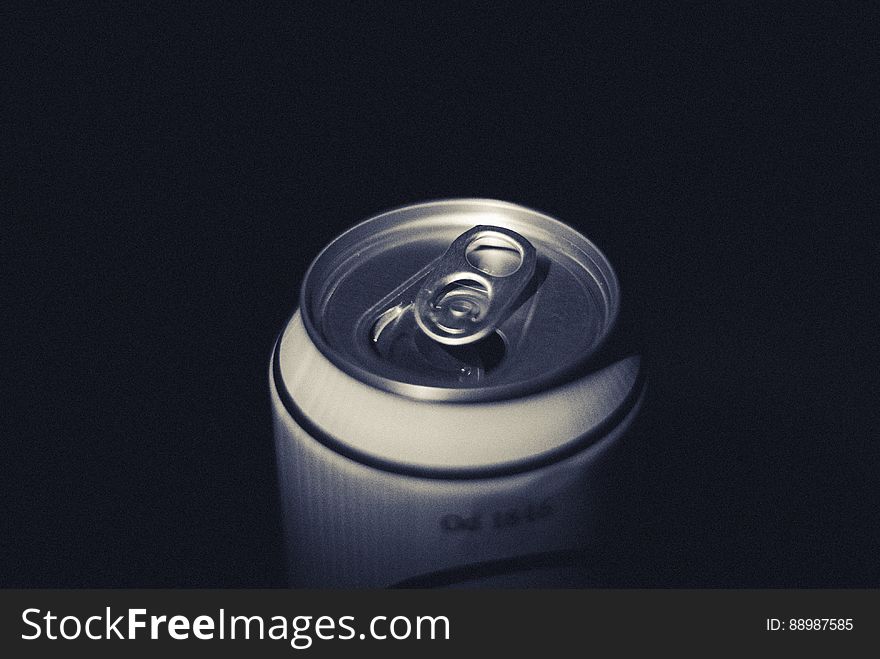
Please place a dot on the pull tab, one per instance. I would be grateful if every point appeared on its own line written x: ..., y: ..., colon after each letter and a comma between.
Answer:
x: 475, y: 285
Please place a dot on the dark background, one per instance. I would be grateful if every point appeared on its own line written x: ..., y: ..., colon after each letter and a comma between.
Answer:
x: 169, y: 177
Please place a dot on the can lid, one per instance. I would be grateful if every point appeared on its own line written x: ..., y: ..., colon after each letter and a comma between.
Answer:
x: 460, y: 300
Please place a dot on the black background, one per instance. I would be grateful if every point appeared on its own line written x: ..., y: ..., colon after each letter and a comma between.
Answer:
x: 170, y: 176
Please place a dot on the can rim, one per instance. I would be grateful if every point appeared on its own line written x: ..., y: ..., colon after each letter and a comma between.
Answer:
x: 448, y: 394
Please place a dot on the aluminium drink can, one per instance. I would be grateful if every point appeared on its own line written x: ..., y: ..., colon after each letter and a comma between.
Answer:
x: 437, y: 402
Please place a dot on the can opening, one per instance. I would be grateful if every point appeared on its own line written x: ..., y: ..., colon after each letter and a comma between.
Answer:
x: 396, y: 339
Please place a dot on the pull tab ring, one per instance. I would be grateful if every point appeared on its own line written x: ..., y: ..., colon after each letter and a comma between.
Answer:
x: 475, y: 285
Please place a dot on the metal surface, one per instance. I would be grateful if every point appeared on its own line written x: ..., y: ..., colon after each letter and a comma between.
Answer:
x: 355, y: 310
x: 353, y: 525
x: 404, y: 458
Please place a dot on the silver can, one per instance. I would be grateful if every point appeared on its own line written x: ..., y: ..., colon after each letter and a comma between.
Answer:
x: 437, y: 402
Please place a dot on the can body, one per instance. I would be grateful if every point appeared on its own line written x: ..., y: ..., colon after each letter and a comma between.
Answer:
x: 384, y: 486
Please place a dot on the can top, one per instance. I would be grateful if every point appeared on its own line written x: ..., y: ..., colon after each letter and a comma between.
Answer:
x: 460, y: 300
